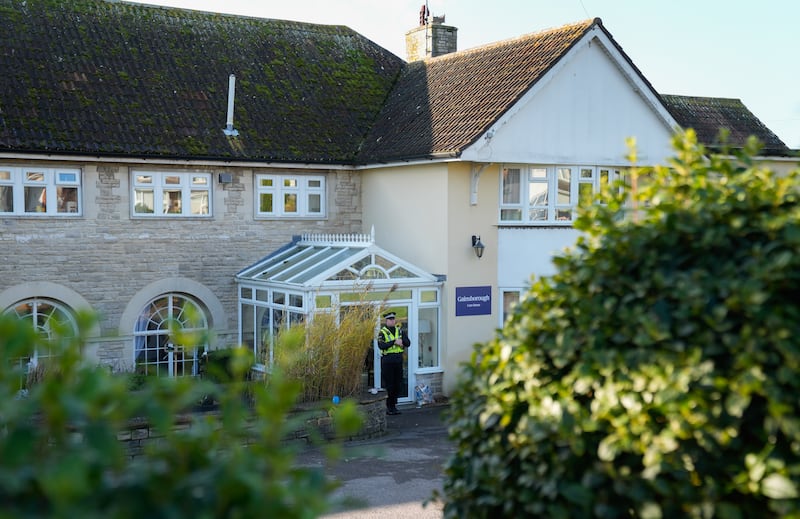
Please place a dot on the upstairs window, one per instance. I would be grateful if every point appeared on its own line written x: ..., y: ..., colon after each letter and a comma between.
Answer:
x: 290, y: 196
x: 26, y: 191
x: 170, y: 194
x: 549, y: 194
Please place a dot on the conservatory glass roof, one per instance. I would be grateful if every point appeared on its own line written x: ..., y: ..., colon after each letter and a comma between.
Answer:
x: 330, y: 260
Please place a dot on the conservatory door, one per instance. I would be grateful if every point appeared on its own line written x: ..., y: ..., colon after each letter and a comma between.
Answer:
x: 406, y: 391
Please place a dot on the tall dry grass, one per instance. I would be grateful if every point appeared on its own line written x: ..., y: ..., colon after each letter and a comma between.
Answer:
x: 325, y: 356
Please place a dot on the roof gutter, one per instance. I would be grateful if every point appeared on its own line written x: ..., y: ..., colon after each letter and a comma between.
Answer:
x: 66, y: 157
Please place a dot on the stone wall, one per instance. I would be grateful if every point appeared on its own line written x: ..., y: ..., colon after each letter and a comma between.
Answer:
x: 109, y: 262
x: 372, y: 407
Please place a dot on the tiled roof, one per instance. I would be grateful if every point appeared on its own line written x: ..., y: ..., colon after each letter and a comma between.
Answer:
x: 113, y: 78
x: 707, y: 115
x: 441, y: 105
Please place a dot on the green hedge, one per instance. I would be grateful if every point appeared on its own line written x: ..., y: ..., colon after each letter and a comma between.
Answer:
x: 657, y: 373
x: 60, y: 455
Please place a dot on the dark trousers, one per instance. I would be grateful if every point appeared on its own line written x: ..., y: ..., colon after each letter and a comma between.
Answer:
x: 392, y: 374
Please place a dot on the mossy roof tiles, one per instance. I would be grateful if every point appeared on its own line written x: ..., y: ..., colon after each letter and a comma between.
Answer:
x: 113, y: 78
x: 708, y: 115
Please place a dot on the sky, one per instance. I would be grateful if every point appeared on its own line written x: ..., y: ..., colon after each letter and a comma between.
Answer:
x: 708, y: 48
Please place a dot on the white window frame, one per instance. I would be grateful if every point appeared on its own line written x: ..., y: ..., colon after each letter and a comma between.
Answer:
x: 172, y: 194
x: 549, y: 194
x: 309, y: 193
x: 63, y: 186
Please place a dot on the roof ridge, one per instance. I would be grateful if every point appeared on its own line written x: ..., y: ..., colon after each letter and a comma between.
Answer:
x: 587, y: 23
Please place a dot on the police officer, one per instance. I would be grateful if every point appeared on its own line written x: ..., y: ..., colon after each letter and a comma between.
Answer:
x: 392, y: 341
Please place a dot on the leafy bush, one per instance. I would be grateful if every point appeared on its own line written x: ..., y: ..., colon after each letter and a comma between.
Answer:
x: 60, y: 455
x: 657, y: 373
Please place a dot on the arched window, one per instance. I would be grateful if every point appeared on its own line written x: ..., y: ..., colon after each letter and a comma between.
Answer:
x: 50, y: 319
x: 53, y: 321
x: 155, y: 353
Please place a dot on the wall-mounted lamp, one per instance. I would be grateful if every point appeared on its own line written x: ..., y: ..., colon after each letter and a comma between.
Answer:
x: 478, y: 245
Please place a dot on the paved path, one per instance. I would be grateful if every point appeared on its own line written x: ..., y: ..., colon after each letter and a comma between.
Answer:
x: 394, y: 475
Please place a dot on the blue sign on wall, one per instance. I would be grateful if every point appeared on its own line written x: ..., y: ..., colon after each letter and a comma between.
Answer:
x: 473, y: 300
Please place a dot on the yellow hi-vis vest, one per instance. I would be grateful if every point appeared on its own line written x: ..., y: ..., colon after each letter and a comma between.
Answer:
x: 388, y: 336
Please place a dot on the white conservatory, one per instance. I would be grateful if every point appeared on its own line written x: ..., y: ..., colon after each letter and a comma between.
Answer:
x: 328, y: 272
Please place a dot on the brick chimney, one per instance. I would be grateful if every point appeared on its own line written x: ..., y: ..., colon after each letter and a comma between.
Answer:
x: 431, y: 38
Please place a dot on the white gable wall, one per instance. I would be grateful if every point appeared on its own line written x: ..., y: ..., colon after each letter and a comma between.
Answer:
x: 581, y: 112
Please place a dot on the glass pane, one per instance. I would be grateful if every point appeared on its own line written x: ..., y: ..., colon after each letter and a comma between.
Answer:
x: 5, y: 175
x: 35, y: 199
x: 289, y: 203
x: 265, y: 203
x: 262, y: 295
x: 67, y: 199
x: 314, y: 203
x: 200, y: 181
x: 587, y: 173
x: 145, y: 201
x: 172, y: 202
x: 68, y: 178
x: 314, y: 183
x: 428, y: 338
x: 605, y: 177
x: 400, y: 272
x: 538, y: 215
x: 296, y: 300
x: 34, y: 176
x: 248, y: 326
x: 563, y: 215
x: 511, y: 215
x: 585, y: 192
x: 199, y: 202
x: 564, y: 184
x: 510, y: 299
x: 144, y: 179
x: 289, y: 182
x: 428, y: 296
x: 278, y: 298
x: 323, y: 301
x: 373, y: 273
x: 247, y: 293
x: 172, y: 180
x: 265, y: 182
x: 511, y: 186
x: 538, y: 194
x: 538, y: 173
x: 6, y: 199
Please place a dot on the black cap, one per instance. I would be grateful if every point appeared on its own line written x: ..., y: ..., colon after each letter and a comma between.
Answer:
x: 389, y: 315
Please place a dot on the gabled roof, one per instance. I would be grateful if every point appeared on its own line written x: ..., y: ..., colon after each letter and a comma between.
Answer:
x: 113, y: 78
x: 441, y: 105
x: 338, y: 262
x: 707, y: 115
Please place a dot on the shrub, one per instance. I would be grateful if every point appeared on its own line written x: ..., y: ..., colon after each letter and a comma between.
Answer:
x: 60, y: 455
x: 326, y: 355
x: 656, y: 373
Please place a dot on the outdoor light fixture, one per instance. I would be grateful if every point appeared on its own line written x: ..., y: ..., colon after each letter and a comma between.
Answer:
x: 478, y: 245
